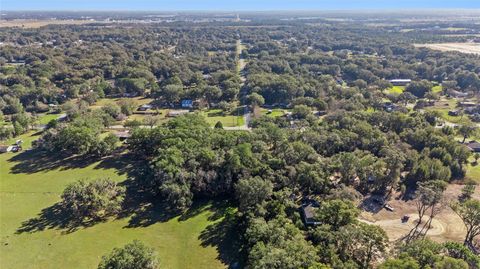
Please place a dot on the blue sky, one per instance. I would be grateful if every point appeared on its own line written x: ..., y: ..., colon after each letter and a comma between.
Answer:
x: 234, y: 4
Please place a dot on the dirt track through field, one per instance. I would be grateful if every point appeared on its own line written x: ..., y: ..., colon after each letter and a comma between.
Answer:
x: 396, y: 229
x: 446, y: 226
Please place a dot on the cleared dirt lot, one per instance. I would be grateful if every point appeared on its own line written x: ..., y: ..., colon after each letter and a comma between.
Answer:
x: 461, y: 47
x: 38, y: 23
x: 446, y: 226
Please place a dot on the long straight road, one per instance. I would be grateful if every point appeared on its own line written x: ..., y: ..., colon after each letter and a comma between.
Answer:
x: 241, y: 63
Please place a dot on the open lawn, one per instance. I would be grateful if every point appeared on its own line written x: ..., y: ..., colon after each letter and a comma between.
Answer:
x: 35, y: 234
x: 212, y: 116
x: 446, y: 105
x: 46, y: 118
x: 437, y: 89
x: 141, y: 115
x: 215, y: 115
x: 473, y: 170
x: 277, y: 112
x: 395, y: 90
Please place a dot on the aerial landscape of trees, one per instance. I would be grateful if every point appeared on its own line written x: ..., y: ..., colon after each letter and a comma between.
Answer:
x: 343, y: 136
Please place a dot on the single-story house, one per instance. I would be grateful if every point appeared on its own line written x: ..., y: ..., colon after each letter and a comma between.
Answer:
x: 308, y: 211
x: 474, y: 146
x: 467, y: 104
x: 144, y: 107
x: 400, y: 82
x: 456, y: 94
x: 122, y: 135
x: 176, y: 113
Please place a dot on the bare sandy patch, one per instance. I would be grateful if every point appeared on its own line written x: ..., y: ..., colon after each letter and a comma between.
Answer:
x: 446, y: 226
x: 39, y: 23
x: 460, y: 47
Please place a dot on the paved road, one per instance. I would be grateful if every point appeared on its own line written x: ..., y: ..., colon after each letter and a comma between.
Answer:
x: 247, y: 117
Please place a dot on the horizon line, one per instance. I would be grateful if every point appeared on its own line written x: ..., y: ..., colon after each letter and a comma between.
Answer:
x: 245, y: 10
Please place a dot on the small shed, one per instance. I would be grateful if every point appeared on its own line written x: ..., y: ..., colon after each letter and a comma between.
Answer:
x: 308, y: 211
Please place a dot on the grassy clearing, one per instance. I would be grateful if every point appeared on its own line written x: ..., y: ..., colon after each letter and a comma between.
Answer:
x: 395, y: 90
x: 446, y: 105
x: 277, y: 112
x: 141, y: 116
x: 215, y: 115
x: 32, y: 235
x: 211, y: 116
x: 46, y: 118
x: 437, y: 89
x: 473, y: 170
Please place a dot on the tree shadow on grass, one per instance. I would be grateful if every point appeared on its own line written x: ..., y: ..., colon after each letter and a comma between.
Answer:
x: 124, y: 164
x: 224, y: 236
x: 55, y: 217
x: 145, y: 210
x: 238, y: 111
x: 33, y: 161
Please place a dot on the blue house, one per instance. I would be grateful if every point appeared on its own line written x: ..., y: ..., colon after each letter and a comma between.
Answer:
x: 187, y: 103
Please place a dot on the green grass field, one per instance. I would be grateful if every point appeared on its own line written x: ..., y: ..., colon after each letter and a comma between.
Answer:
x: 34, y: 235
x: 211, y: 116
x: 395, y: 90
x: 473, y: 169
x: 446, y: 105
x: 214, y: 115
x: 437, y: 89
x: 473, y: 172
x: 104, y: 101
x: 46, y: 118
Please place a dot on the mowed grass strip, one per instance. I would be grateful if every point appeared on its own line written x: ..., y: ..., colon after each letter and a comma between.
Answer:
x: 32, y: 236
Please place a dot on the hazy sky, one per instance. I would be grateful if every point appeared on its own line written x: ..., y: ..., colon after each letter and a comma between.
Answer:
x: 232, y: 4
